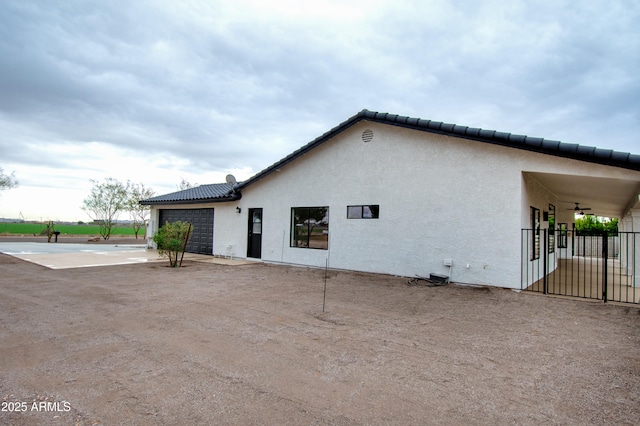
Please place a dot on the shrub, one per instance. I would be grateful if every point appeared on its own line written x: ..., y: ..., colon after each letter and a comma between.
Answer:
x: 172, y: 240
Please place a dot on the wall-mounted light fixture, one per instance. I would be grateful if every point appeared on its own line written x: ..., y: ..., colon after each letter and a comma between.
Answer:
x: 238, y: 210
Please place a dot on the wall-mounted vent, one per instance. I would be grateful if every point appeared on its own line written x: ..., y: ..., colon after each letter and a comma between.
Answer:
x: 367, y: 135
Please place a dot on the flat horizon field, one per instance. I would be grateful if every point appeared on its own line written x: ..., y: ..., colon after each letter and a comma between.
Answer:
x: 9, y: 228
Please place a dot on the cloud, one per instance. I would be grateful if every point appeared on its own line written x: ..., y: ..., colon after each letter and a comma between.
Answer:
x: 204, y: 87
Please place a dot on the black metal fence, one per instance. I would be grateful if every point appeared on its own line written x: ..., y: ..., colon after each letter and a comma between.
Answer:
x: 595, y: 266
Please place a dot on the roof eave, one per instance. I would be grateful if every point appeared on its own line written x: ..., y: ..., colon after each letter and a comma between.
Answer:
x: 540, y: 145
x: 528, y: 143
x: 233, y: 197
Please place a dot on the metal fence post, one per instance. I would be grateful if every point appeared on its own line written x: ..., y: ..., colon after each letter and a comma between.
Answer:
x: 545, y: 260
x: 605, y: 272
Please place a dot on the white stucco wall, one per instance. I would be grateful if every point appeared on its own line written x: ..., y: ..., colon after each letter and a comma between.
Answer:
x: 152, y: 226
x: 536, y: 195
x: 230, y: 230
x: 630, y: 250
x: 440, y: 198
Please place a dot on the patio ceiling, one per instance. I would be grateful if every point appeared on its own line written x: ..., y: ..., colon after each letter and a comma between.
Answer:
x: 606, y: 196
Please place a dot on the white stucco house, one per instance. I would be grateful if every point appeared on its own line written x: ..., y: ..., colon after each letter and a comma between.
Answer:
x: 397, y: 195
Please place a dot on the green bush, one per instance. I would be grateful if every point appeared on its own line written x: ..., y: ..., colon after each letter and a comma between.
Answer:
x: 172, y: 240
x: 590, y: 225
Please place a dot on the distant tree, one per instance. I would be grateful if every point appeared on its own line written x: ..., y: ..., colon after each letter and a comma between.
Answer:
x: 590, y: 224
x: 611, y: 226
x: 49, y: 231
x: 172, y: 239
x: 7, y: 181
x: 105, y: 203
x: 137, y: 192
x: 185, y: 184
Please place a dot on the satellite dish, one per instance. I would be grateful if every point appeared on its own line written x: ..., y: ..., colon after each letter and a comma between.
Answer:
x: 231, y: 179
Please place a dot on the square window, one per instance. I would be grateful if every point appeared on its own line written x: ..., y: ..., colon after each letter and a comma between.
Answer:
x: 310, y: 227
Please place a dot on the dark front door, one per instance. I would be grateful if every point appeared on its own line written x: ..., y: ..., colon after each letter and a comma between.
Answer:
x: 254, y: 246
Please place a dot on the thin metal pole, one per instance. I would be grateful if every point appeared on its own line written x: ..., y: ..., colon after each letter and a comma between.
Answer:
x: 324, y: 298
x: 633, y: 268
x: 522, y: 261
x: 605, y: 271
x: 545, y: 255
x: 184, y: 247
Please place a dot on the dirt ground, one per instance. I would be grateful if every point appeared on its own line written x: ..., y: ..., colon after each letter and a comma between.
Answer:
x: 147, y: 344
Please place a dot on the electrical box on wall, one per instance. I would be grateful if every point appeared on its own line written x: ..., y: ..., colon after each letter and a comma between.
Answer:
x: 448, y: 262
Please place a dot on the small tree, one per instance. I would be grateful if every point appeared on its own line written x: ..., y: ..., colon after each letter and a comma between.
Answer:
x: 49, y: 231
x: 185, y: 184
x: 7, y: 181
x: 172, y: 240
x: 105, y: 203
x: 611, y: 226
x: 139, y: 212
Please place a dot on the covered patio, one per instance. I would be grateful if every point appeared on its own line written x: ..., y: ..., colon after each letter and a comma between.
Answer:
x: 558, y: 260
x: 586, y: 277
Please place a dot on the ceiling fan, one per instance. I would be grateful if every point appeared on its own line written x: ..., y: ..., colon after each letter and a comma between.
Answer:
x: 579, y: 210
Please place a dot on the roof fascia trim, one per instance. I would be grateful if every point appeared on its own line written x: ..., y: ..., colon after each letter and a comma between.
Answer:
x: 540, y: 145
x: 235, y: 197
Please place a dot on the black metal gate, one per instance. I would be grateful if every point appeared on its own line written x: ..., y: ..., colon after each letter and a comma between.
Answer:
x: 595, y: 266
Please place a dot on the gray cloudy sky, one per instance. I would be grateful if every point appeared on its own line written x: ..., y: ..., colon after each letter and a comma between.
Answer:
x: 155, y: 91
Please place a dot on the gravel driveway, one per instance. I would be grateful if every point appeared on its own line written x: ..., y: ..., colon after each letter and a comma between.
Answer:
x: 249, y: 345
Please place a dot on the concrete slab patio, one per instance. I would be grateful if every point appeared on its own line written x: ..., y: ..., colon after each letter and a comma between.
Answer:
x: 79, y: 255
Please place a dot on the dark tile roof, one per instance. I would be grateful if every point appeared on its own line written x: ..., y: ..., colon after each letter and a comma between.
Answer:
x: 541, y: 145
x: 217, y: 192
x: 221, y: 192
